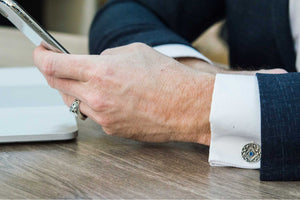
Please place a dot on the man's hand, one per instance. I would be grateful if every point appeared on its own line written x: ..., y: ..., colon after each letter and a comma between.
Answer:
x: 134, y: 92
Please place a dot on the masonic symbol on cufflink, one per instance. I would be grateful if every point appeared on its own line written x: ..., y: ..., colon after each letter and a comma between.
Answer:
x: 251, y: 152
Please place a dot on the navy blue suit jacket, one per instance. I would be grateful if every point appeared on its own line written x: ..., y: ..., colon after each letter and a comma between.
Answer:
x: 259, y: 37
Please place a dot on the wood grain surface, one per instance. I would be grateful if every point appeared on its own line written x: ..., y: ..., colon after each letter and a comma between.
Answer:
x: 99, y: 166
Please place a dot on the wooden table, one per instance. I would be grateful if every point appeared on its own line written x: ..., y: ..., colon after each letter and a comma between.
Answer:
x: 100, y: 166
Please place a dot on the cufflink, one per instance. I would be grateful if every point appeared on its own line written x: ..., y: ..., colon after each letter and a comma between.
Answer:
x: 251, y: 152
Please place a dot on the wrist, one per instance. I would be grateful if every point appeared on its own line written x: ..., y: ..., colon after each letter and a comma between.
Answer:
x: 194, y: 124
x: 204, y: 108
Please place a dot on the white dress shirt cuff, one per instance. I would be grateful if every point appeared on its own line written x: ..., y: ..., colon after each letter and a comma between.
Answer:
x: 234, y: 119
x: 180, y: 51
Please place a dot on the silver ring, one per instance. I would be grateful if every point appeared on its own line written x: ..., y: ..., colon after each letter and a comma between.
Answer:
x: 76, y: 111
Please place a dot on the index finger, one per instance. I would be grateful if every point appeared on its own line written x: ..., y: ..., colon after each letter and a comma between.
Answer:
x: 61, y: 65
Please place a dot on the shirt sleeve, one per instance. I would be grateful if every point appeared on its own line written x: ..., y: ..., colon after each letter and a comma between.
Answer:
x: 180, y: 51
x: 234, y: 119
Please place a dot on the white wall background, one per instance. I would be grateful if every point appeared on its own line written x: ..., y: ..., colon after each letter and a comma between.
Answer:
x: 71, y: 16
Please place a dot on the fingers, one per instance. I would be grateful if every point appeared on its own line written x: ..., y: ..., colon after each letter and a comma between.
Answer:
x: 60, y: 65
x: 68, y: 86
x: 84, y: 108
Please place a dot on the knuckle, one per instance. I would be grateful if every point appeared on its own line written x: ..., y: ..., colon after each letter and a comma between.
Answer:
x: 96, y: 103
x: 108, y: 71
x: 89, y: 72
x: 84, y: 71
x: 95, y: 76
x: 74, y: 60
x: 48, y: 66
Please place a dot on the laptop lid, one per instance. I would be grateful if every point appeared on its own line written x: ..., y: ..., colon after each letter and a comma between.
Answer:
x: 31, y: 111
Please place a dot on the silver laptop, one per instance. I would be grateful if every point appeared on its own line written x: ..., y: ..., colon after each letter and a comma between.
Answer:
x: 30, y: 110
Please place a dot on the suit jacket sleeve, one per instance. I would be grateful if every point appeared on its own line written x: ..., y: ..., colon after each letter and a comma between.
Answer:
x: 154, y: 22
x: 280, y: 126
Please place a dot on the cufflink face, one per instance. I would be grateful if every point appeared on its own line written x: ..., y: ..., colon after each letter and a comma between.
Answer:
x: 251, y: 152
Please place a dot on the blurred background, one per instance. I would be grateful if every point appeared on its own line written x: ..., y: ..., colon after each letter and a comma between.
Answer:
x: 69, y: 16
x: 75, y: 17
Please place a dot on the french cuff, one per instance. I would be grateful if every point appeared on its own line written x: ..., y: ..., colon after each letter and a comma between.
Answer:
x: 235, y: 122
x: 180, y: 51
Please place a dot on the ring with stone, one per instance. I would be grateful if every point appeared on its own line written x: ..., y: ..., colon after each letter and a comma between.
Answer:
x: 76, y: 110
